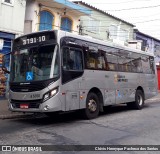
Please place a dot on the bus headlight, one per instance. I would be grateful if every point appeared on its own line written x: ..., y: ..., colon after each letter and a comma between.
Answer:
x: 50, y: 94
x: 53, y: 92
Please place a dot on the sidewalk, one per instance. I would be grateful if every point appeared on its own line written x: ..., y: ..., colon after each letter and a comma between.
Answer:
x: 6, y: 114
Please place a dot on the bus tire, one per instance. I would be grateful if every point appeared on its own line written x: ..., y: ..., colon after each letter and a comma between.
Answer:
x: 139, y: 101
x: 92, y: 106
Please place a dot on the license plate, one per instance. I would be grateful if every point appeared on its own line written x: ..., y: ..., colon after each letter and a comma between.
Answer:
x: 24, y: 106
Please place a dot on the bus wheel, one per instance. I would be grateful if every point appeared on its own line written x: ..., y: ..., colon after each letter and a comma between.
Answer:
x: 92, y: 106
x: 139, y: 101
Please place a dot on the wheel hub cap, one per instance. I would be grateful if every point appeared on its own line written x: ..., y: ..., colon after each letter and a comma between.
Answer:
x: 140, y: 100
x: 92, y: 105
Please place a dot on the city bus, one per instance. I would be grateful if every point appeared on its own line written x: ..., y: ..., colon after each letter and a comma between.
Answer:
x: 57, y: 71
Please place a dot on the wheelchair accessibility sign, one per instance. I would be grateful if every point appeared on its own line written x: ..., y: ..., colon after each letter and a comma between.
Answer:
x: 29, y: 76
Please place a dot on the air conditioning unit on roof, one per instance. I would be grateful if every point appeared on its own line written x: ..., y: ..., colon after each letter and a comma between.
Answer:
x: 136, y: 44
x: 119, y: 42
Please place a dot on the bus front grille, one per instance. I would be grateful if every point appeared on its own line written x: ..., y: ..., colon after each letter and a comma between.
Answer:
x: 27, y: 88
x: 30, y: 86
x: 29, y: 103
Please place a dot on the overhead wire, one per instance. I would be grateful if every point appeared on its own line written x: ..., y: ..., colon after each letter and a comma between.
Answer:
x: 150, y: 15
x: 138, y: 22
x: 120, y: 2
x: 145, y: 7
x: 135, y: 8
x: 68, y: 10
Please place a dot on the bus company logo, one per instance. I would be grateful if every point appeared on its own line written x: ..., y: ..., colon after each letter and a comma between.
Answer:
x: 6, y: 148
x: 25, y: 83
x: 120, y: 78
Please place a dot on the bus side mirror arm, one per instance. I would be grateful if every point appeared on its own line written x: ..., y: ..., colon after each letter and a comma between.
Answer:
x: 5, y: 70
x: 3, y: 66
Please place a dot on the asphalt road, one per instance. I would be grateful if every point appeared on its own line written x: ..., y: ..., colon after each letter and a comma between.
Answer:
x: 116, y: 126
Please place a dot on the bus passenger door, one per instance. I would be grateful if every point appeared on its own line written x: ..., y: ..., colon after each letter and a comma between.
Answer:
x: 72, y: 70
x: 72, y: 97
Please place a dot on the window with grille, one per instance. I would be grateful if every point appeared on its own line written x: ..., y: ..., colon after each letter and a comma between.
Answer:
x: 123, y: 35
x: 93, y: 25
x: 113, y: 30
x: 66, y: 24
x: 46, y: 20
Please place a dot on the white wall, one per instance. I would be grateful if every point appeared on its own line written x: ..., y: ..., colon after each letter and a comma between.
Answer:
x: 12, y: 17
x: 105, y: 21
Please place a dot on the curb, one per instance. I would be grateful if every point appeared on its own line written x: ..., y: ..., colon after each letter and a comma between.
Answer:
x: 9, y: 116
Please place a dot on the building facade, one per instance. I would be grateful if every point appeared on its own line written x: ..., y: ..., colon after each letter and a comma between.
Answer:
x: 152, y: 45
x: 53, y: 14
x: 104, y: 26
x: 12, y: 13
x: 149, y: 44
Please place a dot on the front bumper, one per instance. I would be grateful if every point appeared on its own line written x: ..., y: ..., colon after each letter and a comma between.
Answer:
x: 51, y: 105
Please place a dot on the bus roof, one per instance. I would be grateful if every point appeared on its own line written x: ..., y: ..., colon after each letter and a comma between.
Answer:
x: 102, y: 42
x: 61, y: 33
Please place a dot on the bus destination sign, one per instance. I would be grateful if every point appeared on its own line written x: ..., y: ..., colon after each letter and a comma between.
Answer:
x: 34, y: 38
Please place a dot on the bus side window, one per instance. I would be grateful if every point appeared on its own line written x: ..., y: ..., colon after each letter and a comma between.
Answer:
x: 72, y: 63
x: 146, y: 64
x: 65, y: 59
x: 135, y: 63
x: 151, y: 60
x: 91, y: 60
x: 111, y: 62
x: 72, y: 59
x: 102, y: 61
x: 123, y: 61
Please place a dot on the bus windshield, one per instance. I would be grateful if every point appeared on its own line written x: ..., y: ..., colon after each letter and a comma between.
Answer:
x: 34, y: 64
